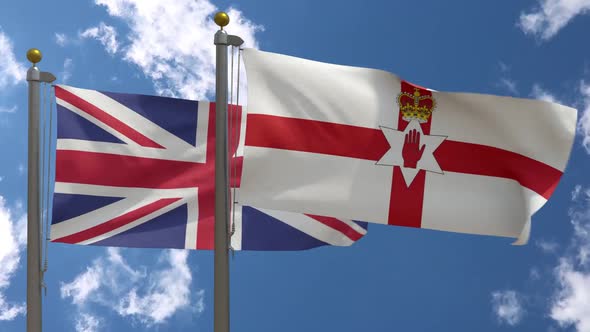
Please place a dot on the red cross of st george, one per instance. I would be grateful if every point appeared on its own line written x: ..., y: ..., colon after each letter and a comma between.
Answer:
x: 405, y: 207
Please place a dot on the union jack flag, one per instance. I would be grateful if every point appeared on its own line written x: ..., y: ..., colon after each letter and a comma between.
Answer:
x: 138, y: 171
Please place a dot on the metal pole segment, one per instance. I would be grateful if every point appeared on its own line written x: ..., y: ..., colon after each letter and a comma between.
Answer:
x: 35, y: 78
x: 222, y: 194
x: 33, y: 212
x: 221, y: 258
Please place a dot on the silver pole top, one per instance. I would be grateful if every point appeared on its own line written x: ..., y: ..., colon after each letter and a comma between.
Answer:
x: 221, y: 36
x: 34, y: 74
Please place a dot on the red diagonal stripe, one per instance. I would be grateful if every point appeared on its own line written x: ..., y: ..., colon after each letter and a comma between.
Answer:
x: 117, y: 222
x: 370, y: 144
x: 106, y: 118
x: 338, y: 225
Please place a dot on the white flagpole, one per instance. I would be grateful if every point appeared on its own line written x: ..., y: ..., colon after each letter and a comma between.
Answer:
x: 222, y: 195
x: 35, y: 78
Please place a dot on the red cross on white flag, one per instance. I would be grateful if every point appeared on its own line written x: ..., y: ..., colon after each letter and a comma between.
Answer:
x: 362, y: 144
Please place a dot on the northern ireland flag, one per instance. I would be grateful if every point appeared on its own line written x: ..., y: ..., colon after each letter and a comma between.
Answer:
x: 363, y: 144
x: 139, y: 171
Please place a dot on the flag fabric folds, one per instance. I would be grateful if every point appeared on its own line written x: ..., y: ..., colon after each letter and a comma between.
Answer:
x: 363, y: 144
x: 138, y: 171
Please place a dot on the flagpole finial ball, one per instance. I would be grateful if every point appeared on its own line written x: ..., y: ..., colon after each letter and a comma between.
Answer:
x: 34, y: 55
x: 221, y: 19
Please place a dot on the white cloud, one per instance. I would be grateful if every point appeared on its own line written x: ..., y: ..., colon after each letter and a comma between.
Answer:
x: 11, y: 71
x: 84, y: 284
x: 509, y: 85
x: 61, y: 39
x: 504, y: 68
x: 583, y: 106
x: 584, y: 123
x: 550, y: 16
x: 200, y: 305
x: 18, y: 206
x: 182, y: 65
x: 576, y: 192
x: 505, y: 81
x: 106, y: 274
x: 571, y: 303
x: 149, y: 297
x: 8, y: 109
x: 21, y: 169
x: 87, y: 323
x: 547, y: 247
x: 507, y: 307
x: 10, y: 311
x: 580, y: 219
x: 12, y: 242
x: 106, y: 34
x: 539, y: 93
x: 168, y: 292
x: 66, y: 74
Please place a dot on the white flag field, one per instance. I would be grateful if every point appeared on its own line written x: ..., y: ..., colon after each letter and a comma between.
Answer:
x: 363, y: 144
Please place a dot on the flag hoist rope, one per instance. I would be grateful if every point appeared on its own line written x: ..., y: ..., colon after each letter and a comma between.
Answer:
x: 42, y: 182
x: 222, y: 194
x: 234, y: 133
x: 46, y: 112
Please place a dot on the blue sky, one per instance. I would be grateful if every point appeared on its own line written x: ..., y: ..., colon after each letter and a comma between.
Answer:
x: 394, y: 278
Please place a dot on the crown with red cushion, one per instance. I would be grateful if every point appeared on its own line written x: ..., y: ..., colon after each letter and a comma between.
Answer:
x: 416, y: 106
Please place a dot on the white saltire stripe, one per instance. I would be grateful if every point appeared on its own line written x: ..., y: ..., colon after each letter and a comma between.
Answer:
x: 354, y: 226
x: 134, y: 198
x: 193, y: 155
x: 127, y: 192
x: 97, y: 122
x: 305, y: 224
x: 135, y: 223
x: 202, y: 132
x: 128, y: 116
x: 192, y: 224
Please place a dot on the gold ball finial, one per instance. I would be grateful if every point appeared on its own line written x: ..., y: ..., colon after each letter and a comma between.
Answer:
x: 34, y: 55
x: 221, y: 19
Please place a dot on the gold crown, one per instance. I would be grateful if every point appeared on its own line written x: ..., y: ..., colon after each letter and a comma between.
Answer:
x: 416, y: 107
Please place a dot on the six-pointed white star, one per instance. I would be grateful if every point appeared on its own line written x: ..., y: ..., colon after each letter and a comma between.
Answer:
x: 393, y: 157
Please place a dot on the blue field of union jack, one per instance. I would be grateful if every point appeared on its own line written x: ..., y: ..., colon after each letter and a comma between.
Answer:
x: 138, y: 171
